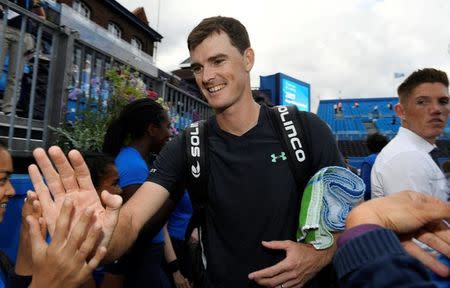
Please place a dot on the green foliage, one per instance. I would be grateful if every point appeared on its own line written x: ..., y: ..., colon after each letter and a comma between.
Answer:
x: 126, y: 87
x: 88, y: 131
x: 85, y: 134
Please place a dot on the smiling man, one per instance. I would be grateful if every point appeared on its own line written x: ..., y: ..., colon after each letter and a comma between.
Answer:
x: 407, y: 161
x: 253, y: 202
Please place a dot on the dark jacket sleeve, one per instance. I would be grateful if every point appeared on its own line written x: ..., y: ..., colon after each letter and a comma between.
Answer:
x: 17, y: 281
x: 8, y: 275
x: 377, y: 259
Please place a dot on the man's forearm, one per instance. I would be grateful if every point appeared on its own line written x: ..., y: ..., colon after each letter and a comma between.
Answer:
x: 123, y: 237
x: 149, y: 208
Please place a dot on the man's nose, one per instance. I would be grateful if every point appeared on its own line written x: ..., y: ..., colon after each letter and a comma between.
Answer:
x: 208, y: 74
x: 437, y: 108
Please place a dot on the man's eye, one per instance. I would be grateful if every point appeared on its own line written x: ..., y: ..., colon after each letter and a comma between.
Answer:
x: 444, y: 101
x: 218, y: 62
x: 196, y: 69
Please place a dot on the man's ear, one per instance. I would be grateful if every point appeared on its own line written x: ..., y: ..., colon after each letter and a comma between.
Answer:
x: 249, y: 58
x: 400, y: 111
x: 151, y: 129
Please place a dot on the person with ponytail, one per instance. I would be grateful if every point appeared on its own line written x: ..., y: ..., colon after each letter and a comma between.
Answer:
x: 140, y: 131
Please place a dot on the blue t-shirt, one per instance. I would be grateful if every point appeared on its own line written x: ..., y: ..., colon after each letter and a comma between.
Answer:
x: 366, y: 169
x: 134, y: 170
x: 179, y: 219
x: 2, y: 279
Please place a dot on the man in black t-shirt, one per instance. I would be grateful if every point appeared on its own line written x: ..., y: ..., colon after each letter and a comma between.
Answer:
x: 253, y: 200
x: 252, y: 195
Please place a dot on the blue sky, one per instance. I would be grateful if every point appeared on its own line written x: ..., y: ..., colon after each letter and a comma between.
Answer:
x: 345, y: 49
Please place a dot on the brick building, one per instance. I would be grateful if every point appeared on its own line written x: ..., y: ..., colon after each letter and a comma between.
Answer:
x: 132, y: 27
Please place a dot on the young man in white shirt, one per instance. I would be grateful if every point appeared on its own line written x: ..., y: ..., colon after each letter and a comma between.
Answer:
x: 406, y: 162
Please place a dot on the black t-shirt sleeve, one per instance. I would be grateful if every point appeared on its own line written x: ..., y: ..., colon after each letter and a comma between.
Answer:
x: 169, y: 169
x: 323, y: 146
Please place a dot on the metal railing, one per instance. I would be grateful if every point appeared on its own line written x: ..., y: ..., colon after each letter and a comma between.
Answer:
x: 56, y: 69
x: 28, y: 131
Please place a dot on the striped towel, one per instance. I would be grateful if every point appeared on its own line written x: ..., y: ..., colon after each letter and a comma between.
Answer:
x: 328, y: 198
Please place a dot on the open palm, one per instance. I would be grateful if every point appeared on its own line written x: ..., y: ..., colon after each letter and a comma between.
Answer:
x: 71, y: 179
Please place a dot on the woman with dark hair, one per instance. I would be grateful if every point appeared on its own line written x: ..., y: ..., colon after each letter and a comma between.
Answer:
x: 140, y: 131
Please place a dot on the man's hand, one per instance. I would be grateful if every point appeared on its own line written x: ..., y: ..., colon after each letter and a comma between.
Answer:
x: 73, y: 180
x: 32, y: 208
x: 411, y: 215
x: 64, y: 262
x: 180, y: 281
x: 302, y: 262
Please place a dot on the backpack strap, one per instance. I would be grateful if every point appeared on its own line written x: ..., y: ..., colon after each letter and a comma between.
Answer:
x: 293, y: 130
x: 196, y: 145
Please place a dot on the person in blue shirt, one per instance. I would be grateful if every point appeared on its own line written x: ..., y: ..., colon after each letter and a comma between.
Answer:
x: 375, y: 143
x: 140, y: 131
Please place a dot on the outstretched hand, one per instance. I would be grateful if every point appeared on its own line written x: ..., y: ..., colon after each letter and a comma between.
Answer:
x: 32, y: 208
x: 65, y: 263
x: 71, y: 179
x: 411, y: 215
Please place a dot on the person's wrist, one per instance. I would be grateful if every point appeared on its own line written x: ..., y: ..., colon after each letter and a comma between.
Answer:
x: 359, y: 216
x: 173, y: 266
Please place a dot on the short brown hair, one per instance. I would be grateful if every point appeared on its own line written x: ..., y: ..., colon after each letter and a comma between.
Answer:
x: 426, y: 75
x: 232, y: 27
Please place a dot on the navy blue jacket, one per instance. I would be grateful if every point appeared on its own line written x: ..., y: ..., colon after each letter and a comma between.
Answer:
x: 377, y: 259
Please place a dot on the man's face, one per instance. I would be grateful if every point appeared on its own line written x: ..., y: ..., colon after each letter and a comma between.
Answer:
x: 426, y: 110
x: 6, y: 189
x: 160, y: 134
x: 221, y: 71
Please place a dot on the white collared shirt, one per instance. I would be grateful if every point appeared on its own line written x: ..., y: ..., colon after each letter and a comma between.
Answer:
x: 405, y: 163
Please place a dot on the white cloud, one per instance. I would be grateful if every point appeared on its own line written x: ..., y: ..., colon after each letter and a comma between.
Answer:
x: 352, y: 46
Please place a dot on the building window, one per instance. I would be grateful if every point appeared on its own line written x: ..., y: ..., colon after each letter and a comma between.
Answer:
x: 135, y: 42
x: 115, y: 30
x: 82, y: 8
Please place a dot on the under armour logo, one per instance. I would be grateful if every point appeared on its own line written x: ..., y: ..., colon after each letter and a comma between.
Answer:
x: 282, y: 156
x: 196, y: 170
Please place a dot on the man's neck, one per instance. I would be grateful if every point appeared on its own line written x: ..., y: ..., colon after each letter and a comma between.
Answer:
x: 240, y: 118
x: 431, y: 140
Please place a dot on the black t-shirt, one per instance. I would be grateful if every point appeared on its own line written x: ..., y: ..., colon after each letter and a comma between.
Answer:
x: 252, y: 194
